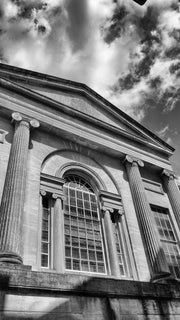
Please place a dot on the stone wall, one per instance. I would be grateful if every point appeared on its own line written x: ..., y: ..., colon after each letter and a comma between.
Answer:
x: 26, y: 294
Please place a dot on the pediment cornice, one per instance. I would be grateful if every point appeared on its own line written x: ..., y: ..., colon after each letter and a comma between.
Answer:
x: 143, y: 135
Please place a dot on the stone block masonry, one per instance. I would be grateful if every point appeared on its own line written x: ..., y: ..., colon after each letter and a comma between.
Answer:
x: 26, y: 294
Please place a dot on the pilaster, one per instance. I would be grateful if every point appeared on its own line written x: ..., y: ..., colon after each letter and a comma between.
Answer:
x: 53, y: 188
x: 111, y: 206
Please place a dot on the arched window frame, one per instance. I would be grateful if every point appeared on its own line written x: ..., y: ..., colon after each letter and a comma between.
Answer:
x: 53, y: 186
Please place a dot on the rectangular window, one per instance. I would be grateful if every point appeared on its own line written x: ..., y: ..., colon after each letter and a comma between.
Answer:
x: 83, y: 238
x: 168, y: 239
x: 46, y: 233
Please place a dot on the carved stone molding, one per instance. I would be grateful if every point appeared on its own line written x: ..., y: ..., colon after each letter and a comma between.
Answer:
x: 58, y: 196
x: 112, y: 203
x: 43, y: 192
x: 133, y: 161
x: 52, y: 186
x: 32, y: 123
x: 169, y: 174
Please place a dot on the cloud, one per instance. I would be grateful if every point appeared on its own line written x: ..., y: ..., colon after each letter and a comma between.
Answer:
x: 162, y: 133
x: 153, y: 71
x: 127, y: 53
x: 166, y: 133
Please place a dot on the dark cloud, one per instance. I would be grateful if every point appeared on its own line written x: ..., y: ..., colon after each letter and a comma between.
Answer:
x: 115, y: 26
x: 26, y: 7
x: 172, y: 52
x: 155, y: 82
x: 118, y: 25
x: 175, y: 68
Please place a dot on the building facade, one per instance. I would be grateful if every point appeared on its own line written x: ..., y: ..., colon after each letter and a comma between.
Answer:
x: 90, y: 207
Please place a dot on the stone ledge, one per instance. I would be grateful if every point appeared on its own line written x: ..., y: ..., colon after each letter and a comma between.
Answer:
x: 20, y: 278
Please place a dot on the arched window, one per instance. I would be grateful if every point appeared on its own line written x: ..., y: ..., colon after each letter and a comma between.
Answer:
x: 82, y: 227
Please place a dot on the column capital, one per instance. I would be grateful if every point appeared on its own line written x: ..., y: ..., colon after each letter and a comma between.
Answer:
x: 53, y: 195
x: 43, y: 192
x: 133, y: 161
x: 169, y: 174
x: 58, y: 196
x: 116, y: 213
x: 107, y: 209
x: 32, y: 123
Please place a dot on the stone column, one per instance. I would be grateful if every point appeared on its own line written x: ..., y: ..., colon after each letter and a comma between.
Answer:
x: 58, y: 234
x: 12, y: 202
x: 173, y: 193
x: 113, y: 258
x: 155, y: 254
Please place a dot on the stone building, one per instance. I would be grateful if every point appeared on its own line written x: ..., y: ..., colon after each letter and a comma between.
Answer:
x: 90, y: 208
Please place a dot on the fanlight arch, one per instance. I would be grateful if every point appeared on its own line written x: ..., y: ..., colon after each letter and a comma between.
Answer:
x: 57, y: 163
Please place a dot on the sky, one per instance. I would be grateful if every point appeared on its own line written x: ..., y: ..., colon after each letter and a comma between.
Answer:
x: 129, y: 54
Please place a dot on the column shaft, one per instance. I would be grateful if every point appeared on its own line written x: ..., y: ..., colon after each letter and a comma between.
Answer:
x: 13, y: 196
x: 155, y: 253
x: 12, y: 203
x: 58, y: 254
x: 114, y: 264
x: 173, y: 194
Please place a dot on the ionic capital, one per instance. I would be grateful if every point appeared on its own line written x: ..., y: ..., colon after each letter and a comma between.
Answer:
x: 117, y: 213
x: 121, y: 211
x: 169, y: 174
x: 106, y: 209
x: 43, y: 193
x: 133, y: 161
x: 30, y: 123
x: 58, y: 196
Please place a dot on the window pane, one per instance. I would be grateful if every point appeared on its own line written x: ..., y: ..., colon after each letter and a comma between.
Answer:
x: 84, y: 265
x: 44, y: 248
x: 93, y: 267
x: 68, y: 263
x: 75, y: 242
x: 44, y: 260
x: 99, y: 255
x: 68, y: 252
x: 84, y: 254
x: 76, y: 265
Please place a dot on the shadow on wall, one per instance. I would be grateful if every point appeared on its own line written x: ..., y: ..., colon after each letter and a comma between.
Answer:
x: 29, y: 304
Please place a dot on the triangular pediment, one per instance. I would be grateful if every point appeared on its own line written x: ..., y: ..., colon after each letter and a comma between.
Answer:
x: 80, y: 99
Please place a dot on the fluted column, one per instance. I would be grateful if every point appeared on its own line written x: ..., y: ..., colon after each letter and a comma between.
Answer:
x: 172, y: 192
x: 114, y: 264
x: 155, y: 253
x: 12, y: 202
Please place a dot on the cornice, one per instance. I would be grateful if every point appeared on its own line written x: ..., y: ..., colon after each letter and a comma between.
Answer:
x: 79, y: 132
x: 63, y: 84
x: 28, y: 93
